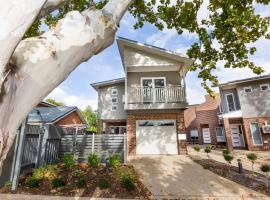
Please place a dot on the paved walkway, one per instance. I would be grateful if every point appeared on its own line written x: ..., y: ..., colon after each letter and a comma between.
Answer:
x: 263, y: 157
x: 180, y: 177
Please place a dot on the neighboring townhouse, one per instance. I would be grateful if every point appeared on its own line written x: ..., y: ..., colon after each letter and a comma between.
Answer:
x: 202, y: 123
x: 149, y: 102
x: 246, y: 113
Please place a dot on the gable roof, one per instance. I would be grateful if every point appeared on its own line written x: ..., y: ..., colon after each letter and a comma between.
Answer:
x: 46, y: 104
x: 108, y: 82
x: 170, y: 55
x: 51, y: 114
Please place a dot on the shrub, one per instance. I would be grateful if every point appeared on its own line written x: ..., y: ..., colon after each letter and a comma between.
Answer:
x: 103, y: 184
x: 50, y: 172
x: 114, y: 161
x: 228, y: 158
x: 78, y: 174
x: 266, y: 169
x: 252, y: 157
x: 208, y: 149
x: 68, y: 160
x: 225, y: 151
x: 93, y: 160
x: 81, y: 182
x: 32, y: 182
x: 8, y: 184
x: 57, y: 182
x: 197, y: 148
x: 128, y: 183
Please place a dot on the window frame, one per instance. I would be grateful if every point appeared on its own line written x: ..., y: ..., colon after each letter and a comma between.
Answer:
x: 266, y: 84
x: 153, y: 80
x: 248, y: 87
x: 112, y: 92
x: 115, y: 101
x: 228, y: 102
x: 223, y: 133
x: 259, y: 133
x: 116, y: 106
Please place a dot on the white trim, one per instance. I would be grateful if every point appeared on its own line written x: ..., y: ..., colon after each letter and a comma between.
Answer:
x: 153, y: 80
x: 223, y: 134
x: 114, y: 106
x: 259, y: 132
x: 249, y: 87
x: 241, y: 127
x: 266, y: 84
x: 228, y: 103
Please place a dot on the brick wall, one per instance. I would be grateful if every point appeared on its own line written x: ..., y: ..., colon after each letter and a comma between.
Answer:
x: 132, y: 117
x: 72, y: 118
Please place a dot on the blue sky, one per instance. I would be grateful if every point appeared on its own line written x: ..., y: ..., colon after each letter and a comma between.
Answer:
x: 76, y: 89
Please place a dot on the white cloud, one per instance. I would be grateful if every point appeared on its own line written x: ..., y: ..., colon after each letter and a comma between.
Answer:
x: 160, y: 39
x: 59, y: 94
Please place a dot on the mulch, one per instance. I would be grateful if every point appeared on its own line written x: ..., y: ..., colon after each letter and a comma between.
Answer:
x: 255, y: 181
x: 93, y: 177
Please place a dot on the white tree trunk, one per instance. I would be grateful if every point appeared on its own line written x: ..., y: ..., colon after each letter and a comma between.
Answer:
x: 42, y: 63
x: 16, y: 17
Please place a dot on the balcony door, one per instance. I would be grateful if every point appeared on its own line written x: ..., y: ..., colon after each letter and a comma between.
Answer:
x: 153, y: 89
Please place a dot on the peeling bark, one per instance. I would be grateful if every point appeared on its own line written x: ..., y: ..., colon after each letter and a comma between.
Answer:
x: 50, y: 6
x: 42, y: 63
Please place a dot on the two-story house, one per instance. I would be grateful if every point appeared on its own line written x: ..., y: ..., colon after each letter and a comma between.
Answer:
x: 202, y: 124
x: 246, y: 113
x: 149, y: 102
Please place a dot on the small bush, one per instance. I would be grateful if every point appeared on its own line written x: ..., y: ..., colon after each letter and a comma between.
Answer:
x: 128, y: 183
x: 225, y: 151
x: 114, y: 161
x: 197, y: 148
x: 50, y: 172
x: 8, y: 184
x: 32, y: 182
x: 103, y: 184
x: 78, y: 174
x: 93, y: 160
x: 252, y: 158
x: 57, y: 182
x: 68, y: 160
x: 266, y: 169
x: 81, y: 182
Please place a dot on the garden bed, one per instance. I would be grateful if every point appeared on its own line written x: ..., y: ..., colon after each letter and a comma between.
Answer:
x: 254, y: 181
x: 84, y: 181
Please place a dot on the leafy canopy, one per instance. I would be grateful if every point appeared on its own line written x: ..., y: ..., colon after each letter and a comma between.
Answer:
x: 225, y: 36
x: 91, y: 117
x: 54, y: 102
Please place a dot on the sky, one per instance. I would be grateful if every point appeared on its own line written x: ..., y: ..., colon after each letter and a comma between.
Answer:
x: 77, y: 91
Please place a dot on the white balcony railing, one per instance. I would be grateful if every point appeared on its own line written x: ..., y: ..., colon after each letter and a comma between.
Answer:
x: 168, y: 94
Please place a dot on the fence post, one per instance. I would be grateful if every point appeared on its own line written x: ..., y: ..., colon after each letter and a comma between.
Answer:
x: 93, y: 143
x: 44, y: 134
x: 17, y: 167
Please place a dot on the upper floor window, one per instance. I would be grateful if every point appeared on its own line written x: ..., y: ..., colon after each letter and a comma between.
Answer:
x: 114, y: 99
x: 264, y: 87
x: 114, y: 91
x: 114, y: 107
x: 153, y: 82
x: 247, y: 89
x: 230, y: 102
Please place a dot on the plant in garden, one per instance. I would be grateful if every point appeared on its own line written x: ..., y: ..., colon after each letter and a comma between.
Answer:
x: 114, y: 161
x: 93, y: 160
x: 68, y: 160
x: 32, y: 182
x: 228, y: 157
x: 208, y: 149
x: 57, y: 182
x: 197, y: 148
x: 80, y: 179
x: 225, y: 151
x: 265, y: 168
x: 128, y: 182
x: 103, y: 184
x: 49, y: 172
x: 8, y: 184
x: 252, y: 157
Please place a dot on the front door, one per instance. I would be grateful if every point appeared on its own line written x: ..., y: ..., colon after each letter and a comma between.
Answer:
x: 206, y: 136
x: 237, y: 138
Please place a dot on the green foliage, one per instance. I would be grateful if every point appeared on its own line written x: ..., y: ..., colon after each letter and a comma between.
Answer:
x: 32, y: 182
x: 265, y: 168
x: 228, y: 158
x: 57, y: 182
x: 8, y: 184
x: 91, y: 117
x: 81, y: 181
x: 128, y: 182
x: 49, y: 172
x: 68, y: 160
x: 197, y: 148
x: 252, y: 157
x: 54, y: 102
x: 103, y: 184
x: 225, y: 151
x: 208, y: 149
x: 93, y: 160
x: 114, y: 161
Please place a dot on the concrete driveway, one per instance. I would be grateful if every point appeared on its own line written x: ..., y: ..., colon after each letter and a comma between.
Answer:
x: 178, y: 177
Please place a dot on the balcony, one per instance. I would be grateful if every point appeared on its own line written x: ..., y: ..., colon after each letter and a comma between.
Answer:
x: 162, y: 97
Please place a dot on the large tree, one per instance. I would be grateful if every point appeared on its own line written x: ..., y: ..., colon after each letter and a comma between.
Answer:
x: 33, y: 63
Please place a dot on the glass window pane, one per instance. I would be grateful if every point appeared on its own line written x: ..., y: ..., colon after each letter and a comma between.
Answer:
x: 165, y: 123
x: 256, y: 135
x: 230, y: 102
x: 159, y: 83
x: 147, y: 83
x: 146, y: 123
x: 219, y: 132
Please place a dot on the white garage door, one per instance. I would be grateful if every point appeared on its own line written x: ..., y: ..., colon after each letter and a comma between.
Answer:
x: 156, y: 137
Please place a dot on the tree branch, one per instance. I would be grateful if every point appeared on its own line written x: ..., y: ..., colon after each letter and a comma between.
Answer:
x: 50, y: 6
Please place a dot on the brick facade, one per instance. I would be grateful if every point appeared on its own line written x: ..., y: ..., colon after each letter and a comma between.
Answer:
x: 132, y: 117
x: 72, y: 118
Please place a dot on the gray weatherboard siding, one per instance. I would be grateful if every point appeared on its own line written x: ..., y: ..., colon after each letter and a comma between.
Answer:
x: 105, y: 103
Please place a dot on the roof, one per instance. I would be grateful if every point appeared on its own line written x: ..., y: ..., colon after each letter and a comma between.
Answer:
x: 47, y: 104
x: 256, y: 78
x: 109, y: 82
x: 50, y: 114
